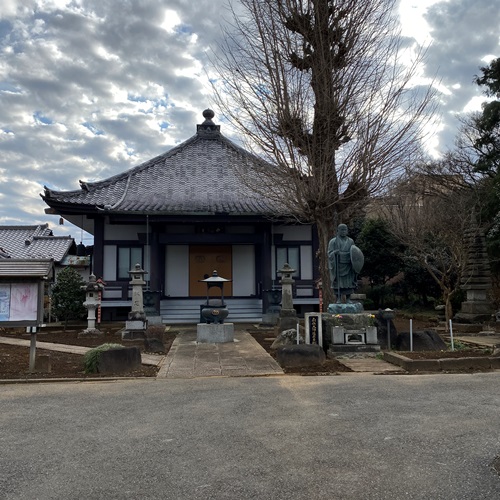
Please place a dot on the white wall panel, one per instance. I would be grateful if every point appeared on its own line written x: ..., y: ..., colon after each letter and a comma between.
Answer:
x: 177, y: 270
x: 306, y: 262
x: 109, y: 264
x: 243, y: 270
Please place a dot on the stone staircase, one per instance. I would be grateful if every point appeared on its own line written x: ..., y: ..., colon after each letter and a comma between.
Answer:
x: 241, y: 310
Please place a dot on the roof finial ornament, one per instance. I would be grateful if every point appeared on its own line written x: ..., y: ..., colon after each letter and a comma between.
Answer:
x: 208, y: 114
x: 208, y: 129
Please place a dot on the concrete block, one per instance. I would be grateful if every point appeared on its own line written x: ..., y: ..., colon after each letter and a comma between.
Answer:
x: 371, y: 335
x: 495, y: 362
x: 422, y: 365
x: 43, y: 363
x: 412, y: 365
x: 119, y: 360
x: 465, y: 363
x: 215, y: 332
x: 338, y: 335
x: 300, y: 355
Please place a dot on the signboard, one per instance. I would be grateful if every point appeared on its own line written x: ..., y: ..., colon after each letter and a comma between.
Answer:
x: 19, y: 303
x: 314, y: 328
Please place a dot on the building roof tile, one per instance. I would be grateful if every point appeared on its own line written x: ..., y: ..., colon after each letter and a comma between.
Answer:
x: 33, y: 242
x: 207, y: 174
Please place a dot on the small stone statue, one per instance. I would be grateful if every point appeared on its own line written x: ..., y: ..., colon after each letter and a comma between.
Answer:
x: 345, y: 261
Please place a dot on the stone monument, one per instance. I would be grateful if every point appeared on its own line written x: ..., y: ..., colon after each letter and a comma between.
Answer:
x: 345, y: 261
x: 476, y: 280
x: 136, y: 324
x: 352, y: 330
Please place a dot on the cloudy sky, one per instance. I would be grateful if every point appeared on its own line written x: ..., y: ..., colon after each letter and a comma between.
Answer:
x: 90, y: 88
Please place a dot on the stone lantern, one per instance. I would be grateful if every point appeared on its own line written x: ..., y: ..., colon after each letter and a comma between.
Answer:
x: 288, y: 315
x: 136, y: 324
x: 92, y: 302
x: 214, y: 312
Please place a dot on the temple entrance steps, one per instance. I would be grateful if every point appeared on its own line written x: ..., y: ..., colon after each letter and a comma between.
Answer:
x: 241, y: 310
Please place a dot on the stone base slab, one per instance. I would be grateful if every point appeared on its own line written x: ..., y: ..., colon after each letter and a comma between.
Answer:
x: 90, y: 332
x: 154, y: 320
x: 133, y: 333
x: 135, y: 325
x: 214, y: 333
x: 351, y: 348
x: 352, y: 308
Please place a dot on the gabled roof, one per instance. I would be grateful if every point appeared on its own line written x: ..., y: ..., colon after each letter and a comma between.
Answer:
x: 26, y: 268
x: 33, y: 242
x: 200, y: 176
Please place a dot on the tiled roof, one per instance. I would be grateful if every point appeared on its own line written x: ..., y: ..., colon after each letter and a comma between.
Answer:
x: 32, y: 242
x: 26, y: 268
x: 203, y: 175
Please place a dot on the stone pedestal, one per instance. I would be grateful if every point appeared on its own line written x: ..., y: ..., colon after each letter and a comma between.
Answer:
x: 351, y: 333
x: 214, y: 333
x: 476, y: 309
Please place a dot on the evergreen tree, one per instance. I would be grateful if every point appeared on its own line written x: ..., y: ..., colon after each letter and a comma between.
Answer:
x: 68, y: 296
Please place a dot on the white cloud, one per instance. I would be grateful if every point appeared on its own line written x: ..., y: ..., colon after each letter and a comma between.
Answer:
x: 89, y: 89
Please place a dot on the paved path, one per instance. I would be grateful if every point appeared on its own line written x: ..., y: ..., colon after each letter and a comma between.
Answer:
x: 360, y: 437
x: 243, y: 357
x: 369, y: 364
x: 483, y: 340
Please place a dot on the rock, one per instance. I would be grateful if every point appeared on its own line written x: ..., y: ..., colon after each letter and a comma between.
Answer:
x: 423, y: 340
x: 300, y: 355
x: 381, y: 325
x: 154, y: 345
x: 119, y: 360
x: 288, y: 337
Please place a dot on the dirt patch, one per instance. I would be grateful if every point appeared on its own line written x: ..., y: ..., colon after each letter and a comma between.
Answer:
x: 14, y: 360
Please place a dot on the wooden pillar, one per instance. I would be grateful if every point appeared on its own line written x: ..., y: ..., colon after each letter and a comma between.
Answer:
x: 98, y: 267
x: 155, y: 278
x: 266, y: 278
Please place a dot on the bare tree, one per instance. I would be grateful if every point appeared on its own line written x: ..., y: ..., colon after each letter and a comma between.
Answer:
x: 430, y: 216
x: 318, y: 88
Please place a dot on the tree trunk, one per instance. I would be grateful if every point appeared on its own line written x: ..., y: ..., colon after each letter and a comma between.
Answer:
x: 325, y: 233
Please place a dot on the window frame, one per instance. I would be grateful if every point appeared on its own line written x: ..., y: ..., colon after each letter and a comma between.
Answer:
x: 297, y: 274
x: 119, y: 249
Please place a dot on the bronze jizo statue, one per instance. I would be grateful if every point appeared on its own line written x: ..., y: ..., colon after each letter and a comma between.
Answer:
x: 345, y: 261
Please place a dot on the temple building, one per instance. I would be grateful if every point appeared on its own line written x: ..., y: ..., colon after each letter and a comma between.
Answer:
x: 182, y: 215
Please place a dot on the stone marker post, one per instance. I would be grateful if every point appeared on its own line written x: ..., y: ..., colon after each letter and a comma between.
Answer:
x: 288, y: 315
